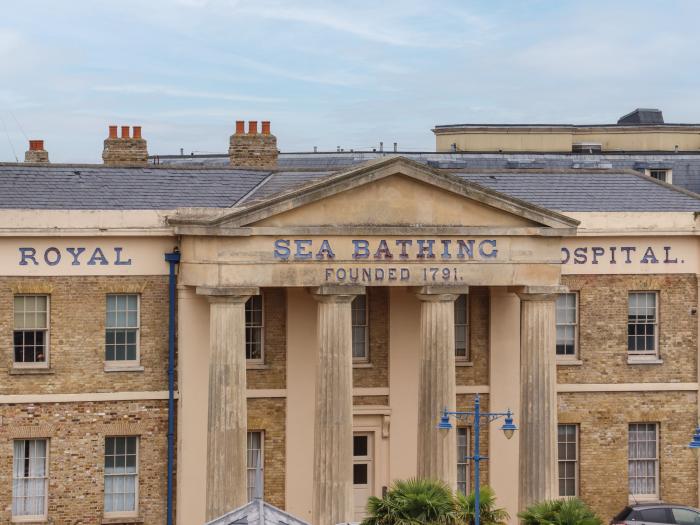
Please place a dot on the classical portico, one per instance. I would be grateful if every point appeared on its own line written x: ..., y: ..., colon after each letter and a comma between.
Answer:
x: 393, y: 224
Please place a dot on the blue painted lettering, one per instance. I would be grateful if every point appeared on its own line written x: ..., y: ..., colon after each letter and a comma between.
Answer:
x: 27, y: 254
x: 52, y: 261
x: 282, y: 250
x: 75, y: 252
x: 325, y: 251
x: 490, y: 254
x: 302, y: 252
x: 98, y: 255
x: 118, y: 260
x: 361, y: 249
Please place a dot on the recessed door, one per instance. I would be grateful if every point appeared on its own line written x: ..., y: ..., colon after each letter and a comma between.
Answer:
x: 362, y: 472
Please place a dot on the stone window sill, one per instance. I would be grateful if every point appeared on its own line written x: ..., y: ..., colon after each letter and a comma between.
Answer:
x: 569, y: 362
x: 18, y: 371
x: 256, y: 366
x: 361, y: 364
x: 23, y: 521
x: 464, y: 363
x: 642, y: 360
x: 122, y: 521
x: 132, y: 368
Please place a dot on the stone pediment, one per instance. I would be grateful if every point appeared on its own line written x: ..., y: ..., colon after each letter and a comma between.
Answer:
x: 394, y: 192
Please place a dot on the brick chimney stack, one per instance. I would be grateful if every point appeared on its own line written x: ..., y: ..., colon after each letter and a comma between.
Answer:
x: 36, y: 153
x: 253, y: 149
x: 125, y: 150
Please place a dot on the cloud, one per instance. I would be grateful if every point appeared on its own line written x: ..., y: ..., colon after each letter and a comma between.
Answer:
x: 373, y: 25
x: 148, y: 89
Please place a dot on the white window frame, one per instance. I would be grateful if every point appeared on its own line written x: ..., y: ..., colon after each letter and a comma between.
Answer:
x: 645, y: 355
x: 461, y: 458
x: 34, y: 517
x: 575, y: 356
x: 251, y: 469
x: 364, y: 358
x: 668, y: 172
x: 137, y: 475
x: 465, y: 328
x: 47, y: 333
x: 575, y: 461
x: 258, y: 360
x: 114, y: 363
x: 655, y: 495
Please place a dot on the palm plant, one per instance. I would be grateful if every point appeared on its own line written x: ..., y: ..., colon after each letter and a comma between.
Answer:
x: 489, y: 513
x: 413, y: 502
x: 571, y: 511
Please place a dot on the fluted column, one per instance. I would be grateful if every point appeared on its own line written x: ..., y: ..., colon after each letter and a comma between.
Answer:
x: 228, y: 414
x: 538, y: 396
x: 332, y: 487
x: 437, y: 451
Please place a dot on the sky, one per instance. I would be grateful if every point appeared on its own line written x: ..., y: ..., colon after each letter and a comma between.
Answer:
x: 331, y: 73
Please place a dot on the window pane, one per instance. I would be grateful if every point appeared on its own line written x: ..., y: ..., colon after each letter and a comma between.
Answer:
x: 30, y: 482
x: 360, y: 444
x: 121, y: 474
x: 254, y: 327
x: 461, y: 327
x: 567, y: 459
x: 255, y: 462
x: 359, y: 473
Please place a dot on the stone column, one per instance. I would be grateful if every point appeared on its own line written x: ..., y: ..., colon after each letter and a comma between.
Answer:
x: 332, y: 486
x: 437, y: 451
x: 538, y: 395
x: 227, y: 443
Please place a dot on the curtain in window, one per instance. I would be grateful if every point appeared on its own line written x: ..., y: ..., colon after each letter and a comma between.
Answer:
x: 29, y: 478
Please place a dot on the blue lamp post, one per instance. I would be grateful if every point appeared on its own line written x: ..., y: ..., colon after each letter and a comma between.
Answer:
x: 508, y: 429
x: 695, y: 442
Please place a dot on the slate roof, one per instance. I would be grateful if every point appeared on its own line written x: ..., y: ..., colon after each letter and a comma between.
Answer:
x: 167, y: 187
x: 685, y: 165
x: 96, y: 187
x: 598, y: 191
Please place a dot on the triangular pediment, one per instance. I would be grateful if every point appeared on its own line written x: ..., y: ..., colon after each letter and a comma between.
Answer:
x: 390, y: 192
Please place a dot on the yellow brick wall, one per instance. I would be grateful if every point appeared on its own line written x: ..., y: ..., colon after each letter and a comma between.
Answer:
x: 603, y: 329
x: 274, y: 375
x: 465, y: 402
x: 269, y: 416
x: 77, y: 335
x: 378, y: 312
x: 76, y: 434
x: 478, y: 372
x: 603, y: 420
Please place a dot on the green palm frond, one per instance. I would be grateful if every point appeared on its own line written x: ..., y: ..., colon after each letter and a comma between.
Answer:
x: 559, y: 512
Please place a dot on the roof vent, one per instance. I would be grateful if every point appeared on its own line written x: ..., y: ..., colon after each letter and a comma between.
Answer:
x: 642, y: 116
x: 590, y: 148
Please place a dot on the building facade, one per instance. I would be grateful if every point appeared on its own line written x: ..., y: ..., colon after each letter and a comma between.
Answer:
x: 324, y: 319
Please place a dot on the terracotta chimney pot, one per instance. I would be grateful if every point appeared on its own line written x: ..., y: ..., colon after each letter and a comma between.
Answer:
x: 125, y: 132
x: 240, y: 127
x: 137, y: 132
x: 265, y: 127
x: 253, y: 127
x: 113, y: 132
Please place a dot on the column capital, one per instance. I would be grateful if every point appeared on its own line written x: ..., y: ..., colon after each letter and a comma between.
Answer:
x: 540, y: 293
x: 227, y: 294
x: 330, y: 293
x: 440, y: 292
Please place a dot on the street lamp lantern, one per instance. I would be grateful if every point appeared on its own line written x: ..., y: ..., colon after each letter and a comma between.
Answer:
x: 444, y: 424
x: 695, y: 442
x: 508, y: 429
